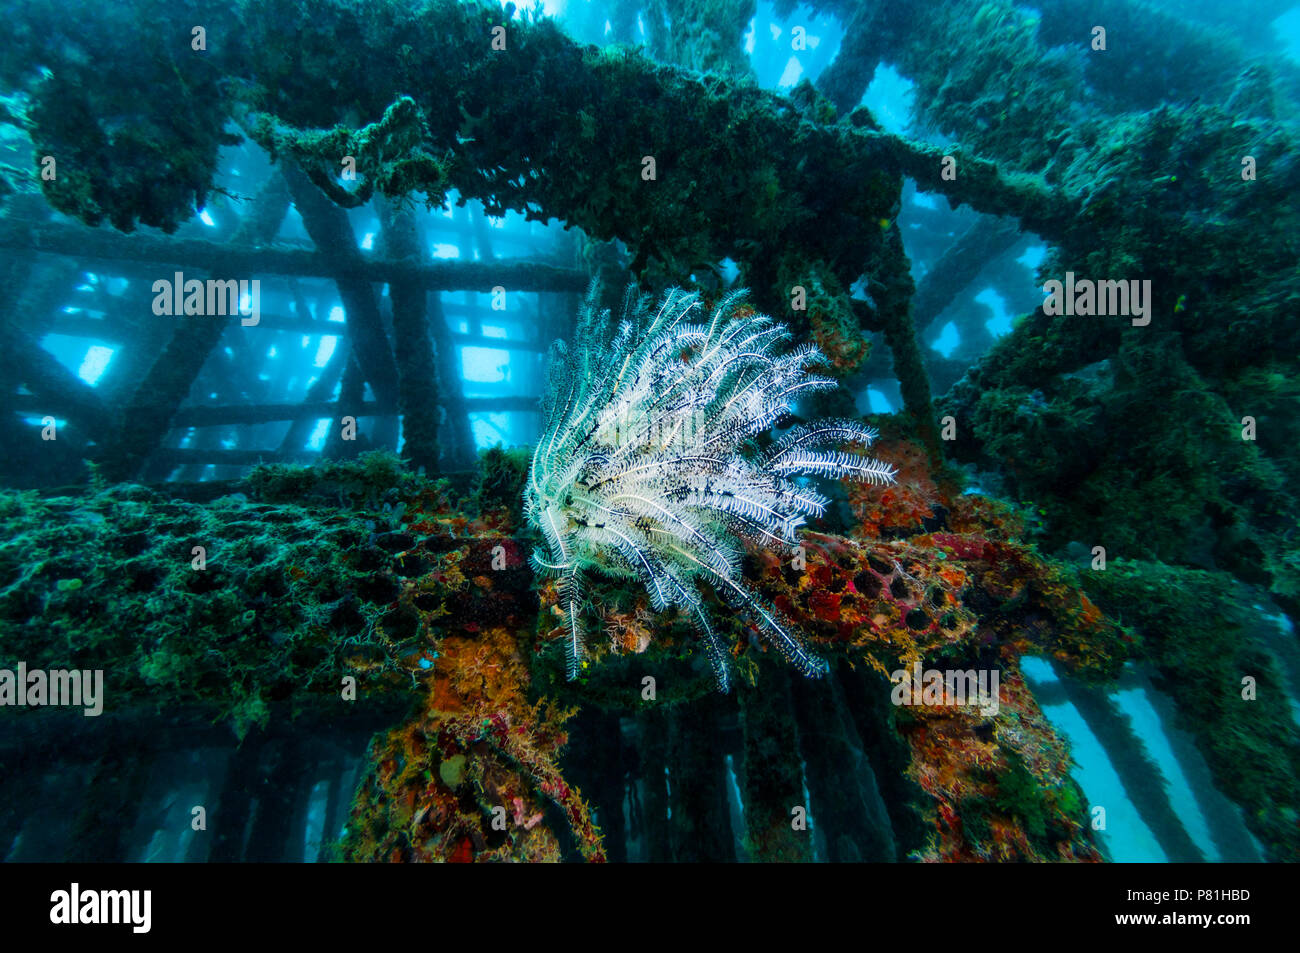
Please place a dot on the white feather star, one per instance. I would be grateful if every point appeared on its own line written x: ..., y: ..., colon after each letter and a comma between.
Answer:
x: 647, y: 465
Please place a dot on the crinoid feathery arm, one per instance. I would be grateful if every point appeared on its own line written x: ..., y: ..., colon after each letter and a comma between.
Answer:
x: 647, y: 467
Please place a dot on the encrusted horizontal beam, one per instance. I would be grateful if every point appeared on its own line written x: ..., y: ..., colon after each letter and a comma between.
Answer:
x: 87, y: 244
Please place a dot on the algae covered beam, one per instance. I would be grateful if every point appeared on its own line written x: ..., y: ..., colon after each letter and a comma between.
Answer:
x: 212, y: 416
x: 183, y: 456
x: 413, y: 347
x: 459, y: 437
x: 547, y: 127
x: 225, y: 414
x: 117, y: 331
x: 330, y: 229
x: 138, y: 252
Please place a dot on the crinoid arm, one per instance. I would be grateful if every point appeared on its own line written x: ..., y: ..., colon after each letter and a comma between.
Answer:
x: 647, y: 465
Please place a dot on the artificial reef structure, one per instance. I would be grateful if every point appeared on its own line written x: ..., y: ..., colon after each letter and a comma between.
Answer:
x: 384, y: 599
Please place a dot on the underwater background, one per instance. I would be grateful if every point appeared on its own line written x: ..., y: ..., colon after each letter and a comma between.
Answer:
x: 284, y: 518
